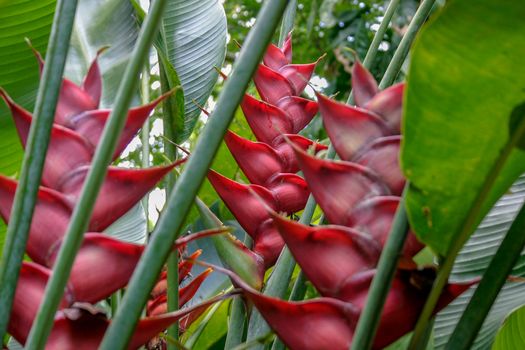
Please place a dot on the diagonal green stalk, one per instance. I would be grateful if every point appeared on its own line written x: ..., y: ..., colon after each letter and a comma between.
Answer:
x: 288, y: 21
x: 144, y: 137
x: 493, y: 280
x: 34, y: 157
x: 369, y: 319
x: 173, y: 260
x: 189, y: 182
x: 83, y: 210
x: 280, y: 278
x: 469, y: 224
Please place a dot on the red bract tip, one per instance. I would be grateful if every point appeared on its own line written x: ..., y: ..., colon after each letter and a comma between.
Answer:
x: 91, y: 124
x: 364, y: 86
x: 338, y: 186
x: 328, y: 255
x: 121, y: 190
x: 375, y: 216
x: 287, y: 47
x: 275, y: 57
x: 388, y: 104
x: 266, y: 121
x: 349, y: 128
x: 73, y: 100
x: 92, y: 83
x: 258, y: 161
x: 382, y: 156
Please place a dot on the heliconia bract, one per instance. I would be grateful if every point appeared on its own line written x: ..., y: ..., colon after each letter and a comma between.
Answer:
x: 103, y: 264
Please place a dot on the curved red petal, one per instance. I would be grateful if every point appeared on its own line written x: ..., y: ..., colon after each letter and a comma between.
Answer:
x: 91, y: 124
x: 274, y: 57
x: 91, y: 283
x: 266, y: 121
x: 375, y: 216
x: 382, y: 156
x: 258, y: 161
x: 364, y: 86
x: 349, y: 128
x: 290, y: 192
x: 300, y: 111
x: 328, y: 255
x: 338, y: 186
x: 271, y: 85
x: 92, y: 83
x: 72, y: 101
x: 298, y: 76
x: 388, y: 104
x: 50, y: 218
x: 121, y: 190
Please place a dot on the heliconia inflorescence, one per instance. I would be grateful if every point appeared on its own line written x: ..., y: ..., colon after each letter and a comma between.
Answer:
x: 270, y: 163
x: 103, y: 264
x: 358, y: 194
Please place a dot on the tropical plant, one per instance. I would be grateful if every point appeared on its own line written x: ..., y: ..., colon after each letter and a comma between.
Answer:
x: 324, y: 222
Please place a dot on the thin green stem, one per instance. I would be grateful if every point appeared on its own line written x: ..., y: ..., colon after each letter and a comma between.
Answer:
x: 369, y: 319
x: 288, y: 21
x: 402, y: 50
x: 493, y: 280
x: 144, y: 137
x: 469, y: 224
x: 280, y: 278
x: 188, y: 184
x: 173, y: 260
x: 34, y: 158
x: 102, y: 158
x: 236, y: 323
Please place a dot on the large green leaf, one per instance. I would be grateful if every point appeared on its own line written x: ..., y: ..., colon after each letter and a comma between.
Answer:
x: 195, y: 39
x: 466, y: 79
x: 473, y: 260
x: 99, y: 24
x: 20, y: 19
x: 511, y: 335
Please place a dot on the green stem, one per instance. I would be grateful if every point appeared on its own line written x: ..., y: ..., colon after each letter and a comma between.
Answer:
x: 469, y: 224
x: 144, y: 137
x: 84, y: 208
x: 288, y: 21
x: 173, y: 260
x: 188, y: 184
x: 280, y: 278
x: 34, y: 158
x: 369, y: 319
x: 402, y: 50
x: 236, y: 323
x: 493, y: 280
